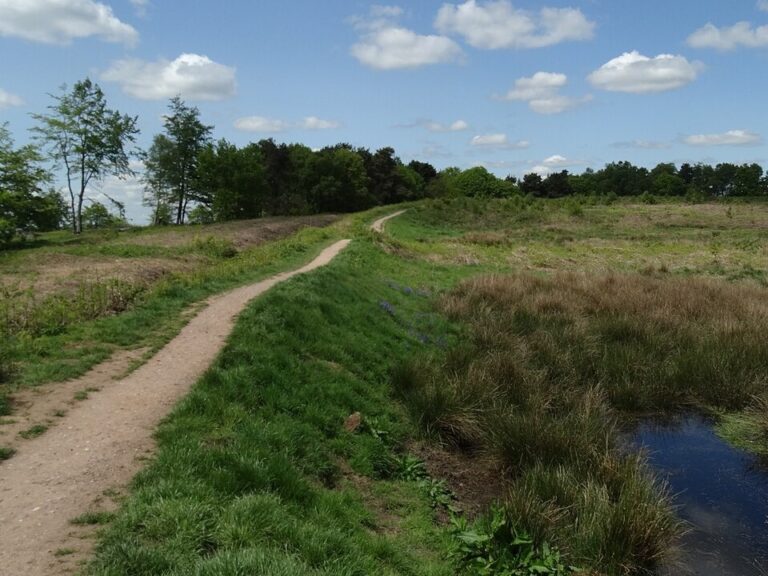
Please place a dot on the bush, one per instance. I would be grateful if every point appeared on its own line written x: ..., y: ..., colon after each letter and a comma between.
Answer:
x: 213, y: 247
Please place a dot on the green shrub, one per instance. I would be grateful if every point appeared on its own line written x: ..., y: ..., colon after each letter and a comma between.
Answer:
x: 213, y: 247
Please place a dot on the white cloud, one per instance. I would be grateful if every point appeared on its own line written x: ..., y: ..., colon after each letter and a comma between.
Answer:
x: 500, y: 141
x: 497, y: 24
x: 554, y: 163
x: 541, y: 91
x: 273, y: 125
x: 394, y: 47
x: 557, y: 161
x: 315, y: 123
x: 556, y: 104
x: 60, y: 21
x: 730, y: 138
x: 633, y: 72
x: 540, y: 85
x: 192, y: 76
x: 385, y: 45
x: 7, y: 100
x: 741, y: 34
x: 762, y: 5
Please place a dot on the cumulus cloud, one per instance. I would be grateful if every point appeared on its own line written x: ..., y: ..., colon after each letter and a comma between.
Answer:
x: 541, y: 92
x: 273, y: 125
x: 498, y: 24
x: 59, y: 22
x: 7, y: 100
x: 315, y: 123
x: 395, y: 47
x: 730, y: 138
x: 500, y: 141
x: 633, y: 72
x: 385, y: 45
x: 741, y: 34
x: 540, y: 85
x: 193, y: 76
x: 554, y: 163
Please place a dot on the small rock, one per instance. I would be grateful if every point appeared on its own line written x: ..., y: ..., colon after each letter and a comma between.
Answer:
x: 352, y: 423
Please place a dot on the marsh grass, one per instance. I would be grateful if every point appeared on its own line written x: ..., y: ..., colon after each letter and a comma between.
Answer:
x: 650, y: 343
x: 549, y: 364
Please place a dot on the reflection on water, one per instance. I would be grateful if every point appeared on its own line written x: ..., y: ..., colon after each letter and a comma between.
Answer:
x: 721, y: 491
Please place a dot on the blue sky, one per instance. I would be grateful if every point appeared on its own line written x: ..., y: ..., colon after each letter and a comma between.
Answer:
x: 515, y: 86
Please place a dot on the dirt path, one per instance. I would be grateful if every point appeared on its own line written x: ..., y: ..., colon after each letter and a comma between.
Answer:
x: 378, y: 226
x: 97, y: 445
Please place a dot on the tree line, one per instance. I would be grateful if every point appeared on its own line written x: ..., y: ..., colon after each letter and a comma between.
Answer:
x: 189, y: 177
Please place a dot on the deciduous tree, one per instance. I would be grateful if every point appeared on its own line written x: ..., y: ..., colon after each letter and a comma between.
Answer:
x: 89, y: 139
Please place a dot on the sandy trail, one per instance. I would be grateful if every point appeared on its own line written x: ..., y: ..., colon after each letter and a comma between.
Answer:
x: 378, y: 226
x: 98, y: 444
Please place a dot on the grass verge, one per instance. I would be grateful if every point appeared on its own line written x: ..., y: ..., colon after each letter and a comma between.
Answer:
x: 255, y: 472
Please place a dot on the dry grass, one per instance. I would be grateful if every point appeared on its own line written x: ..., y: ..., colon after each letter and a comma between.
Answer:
x: 549, y: 363
x: 651, y: 343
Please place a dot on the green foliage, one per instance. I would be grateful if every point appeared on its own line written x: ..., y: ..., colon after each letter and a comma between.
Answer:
x: 647, y: 198
x: 33, y: 431
x: 96, y: 215
x: 248, y: 477
x: 201, y: 214
x: 6, y: 453
x: 93, y: 518
x: 493, y: 547
x: 88, y: 138
x: 172, y: 162
x: 215, y: 247
x: 24, y: 207
x: 25, y: 313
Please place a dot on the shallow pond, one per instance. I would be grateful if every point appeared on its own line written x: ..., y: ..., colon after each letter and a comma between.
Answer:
x: 721, y: 491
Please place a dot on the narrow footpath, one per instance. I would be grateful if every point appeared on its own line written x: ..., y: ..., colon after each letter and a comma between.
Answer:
x: 100, y: 444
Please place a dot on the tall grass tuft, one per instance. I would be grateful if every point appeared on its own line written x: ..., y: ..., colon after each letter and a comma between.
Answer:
x: 22, y: 312
x: 549, y: 363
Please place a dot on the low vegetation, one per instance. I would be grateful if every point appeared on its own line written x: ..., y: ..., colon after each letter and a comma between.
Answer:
x: 74, y: 319
x: 520, y: 330
x: 255, y: 471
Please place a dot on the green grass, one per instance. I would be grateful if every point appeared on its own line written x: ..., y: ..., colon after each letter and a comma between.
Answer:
x: 61, y: 337
x: 93, y: 518
x: 254, y: 471
x: 6, y: 453
x: 552, y: 361
x: 33, y: 431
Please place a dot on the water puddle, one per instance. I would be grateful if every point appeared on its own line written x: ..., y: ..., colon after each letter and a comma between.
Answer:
x: 721, y: 491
